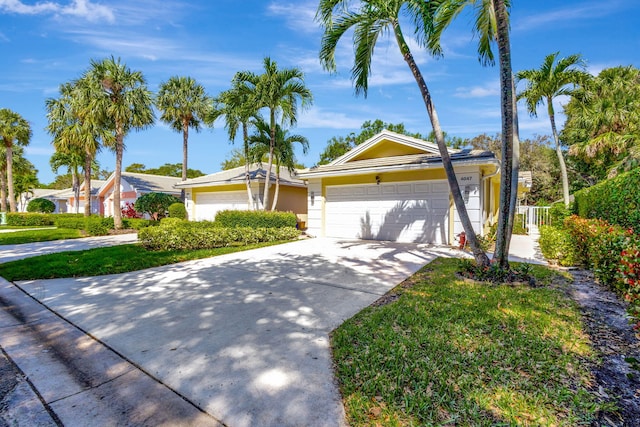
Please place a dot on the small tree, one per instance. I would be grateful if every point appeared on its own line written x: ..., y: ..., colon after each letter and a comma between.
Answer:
x: 41, y: 205
x: 155, y: 204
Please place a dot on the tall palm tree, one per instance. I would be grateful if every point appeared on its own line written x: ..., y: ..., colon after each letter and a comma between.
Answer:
x: 238, y: 109
x: 120, y: 101
x: 76, y: 138
x: 73, y: 161
x: 283, y: 152
x: 278, y: 91
x: 491, y: 25
x: 370, y: 19
x: 183, y: 104
x: 14, y: 131
x: 554, y: 78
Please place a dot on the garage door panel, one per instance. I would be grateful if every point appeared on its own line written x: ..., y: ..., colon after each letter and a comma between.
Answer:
x: 406, y: 212
x: 209, y: 204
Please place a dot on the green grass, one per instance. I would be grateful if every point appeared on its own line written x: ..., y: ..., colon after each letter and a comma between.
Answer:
x: 109, y: 260
x: 455, y: 352
x: 30, y: 235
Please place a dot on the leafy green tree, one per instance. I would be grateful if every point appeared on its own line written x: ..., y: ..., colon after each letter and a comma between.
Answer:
x: 14, y: 131
x: 167, y: 169
x: 41, y: 205
x: 155, y: 204
x: 603, y: 123
x: 184, y: 104
x: 283, y: 151
x: 369, y: 19
x: 554, y: 78
x: 278, y: 91
x: 238, y: 109
x: 236, y: 158
x: 121, y: 102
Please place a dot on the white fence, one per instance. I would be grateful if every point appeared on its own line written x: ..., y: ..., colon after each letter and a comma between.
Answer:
x: 534, y: 216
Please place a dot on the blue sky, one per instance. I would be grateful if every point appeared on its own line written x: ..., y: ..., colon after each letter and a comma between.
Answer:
x: 46, y: 43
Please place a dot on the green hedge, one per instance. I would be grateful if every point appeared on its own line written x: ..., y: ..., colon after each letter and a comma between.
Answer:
x: 182, y: 235
x: 616, y: 200
x: 256, y: 219
x: 19, y: 219
x: 41, y: 205
x: 556, y: 244
x: 177, y: 210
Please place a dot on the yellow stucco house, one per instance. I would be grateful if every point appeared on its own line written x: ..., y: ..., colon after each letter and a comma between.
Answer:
x: 207, y: 195
x: 394, y: 187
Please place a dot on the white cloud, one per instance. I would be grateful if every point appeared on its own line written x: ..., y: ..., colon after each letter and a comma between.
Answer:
x: 317, y: 118
x: 491, y: 88
x: 299, y: 16
x: 85, y: 9
x: 591, y: 10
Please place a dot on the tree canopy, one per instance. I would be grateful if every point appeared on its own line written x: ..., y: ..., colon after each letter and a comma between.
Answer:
x: 167, y: 169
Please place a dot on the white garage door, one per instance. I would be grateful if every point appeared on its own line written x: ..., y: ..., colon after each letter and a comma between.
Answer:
x: 402, y: 212
x: 208, y: 204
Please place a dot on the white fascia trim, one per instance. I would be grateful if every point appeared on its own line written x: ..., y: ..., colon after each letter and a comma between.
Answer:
x: 393, y: 137
x: 396, y: 168
x: 223, y: 184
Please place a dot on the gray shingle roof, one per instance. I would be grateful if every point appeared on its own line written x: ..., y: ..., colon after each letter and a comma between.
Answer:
x: 147, y: 183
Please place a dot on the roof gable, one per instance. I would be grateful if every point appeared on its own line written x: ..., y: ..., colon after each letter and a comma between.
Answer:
x: 143, y: 183
x: 388, y: 144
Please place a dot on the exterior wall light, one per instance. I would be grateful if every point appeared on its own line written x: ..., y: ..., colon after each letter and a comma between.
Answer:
x: 378, y: 179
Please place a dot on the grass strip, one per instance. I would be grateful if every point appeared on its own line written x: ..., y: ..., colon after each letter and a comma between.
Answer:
x: 38, y: 235
x: 449, y: 351
x: 108, y: 260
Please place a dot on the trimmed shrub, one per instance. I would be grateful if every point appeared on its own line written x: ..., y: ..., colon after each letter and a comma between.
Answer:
x: 98, y: 226
x: 177, y: 210
x: 629, y: 273
x: 175, y: 234
x: 256, y: 219
x: 75, y: 221
x: 41, y: 205
x: 616, y: 200
x: 138, y: 223
x: 556, y: 244
x: 557, y: 214
x: 19, y: 219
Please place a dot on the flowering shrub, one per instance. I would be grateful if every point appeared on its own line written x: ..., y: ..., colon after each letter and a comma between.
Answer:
x: 557, y: 244
x: 128, y: 211
x: 629, y: 274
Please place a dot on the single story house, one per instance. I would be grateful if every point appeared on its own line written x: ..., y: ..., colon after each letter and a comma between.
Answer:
x: 132, y: 186
x: 58, y: 197
x: 207, y: 195
x: 394, y: 187
x: 70, y: 198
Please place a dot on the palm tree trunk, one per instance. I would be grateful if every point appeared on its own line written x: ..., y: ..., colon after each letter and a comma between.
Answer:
x: 3, y: 190
x: 479, y: 255
x: 507, y: 97
x: 563, y: 165
x: 272, y: 144
x: 515, y: 171
x: 76, y: 188
x: 277, y: 191
x: 185, y: 149
x: 247, y: 176
x: 117, y: 212
x: 87, y: 184
x: 10, y: 191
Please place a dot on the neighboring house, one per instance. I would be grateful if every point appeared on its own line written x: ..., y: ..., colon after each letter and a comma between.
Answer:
x: 394, y: 187
x: 96, y: 204
x: 132, y: 186
x: 58, y: 197
x: 207, y: 195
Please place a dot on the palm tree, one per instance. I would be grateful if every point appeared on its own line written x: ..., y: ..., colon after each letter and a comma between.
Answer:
x: 554, y: 78
x: 369, y: 20
x: 14, y: 131
x: 277, y: 90
x: 120, y: 101
x: 76, y: 139
x: 492, y: 25
x: 183, y: 104
x: 238, y: 110
x: 283, y: 152
x: 73, y: 160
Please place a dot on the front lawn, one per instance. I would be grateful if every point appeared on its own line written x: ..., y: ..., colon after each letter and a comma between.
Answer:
x: 109, y: 260
x: 449, y: 351
x: 30, y: 235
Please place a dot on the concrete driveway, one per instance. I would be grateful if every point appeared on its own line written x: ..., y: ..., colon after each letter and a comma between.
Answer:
x: 243, y: 336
